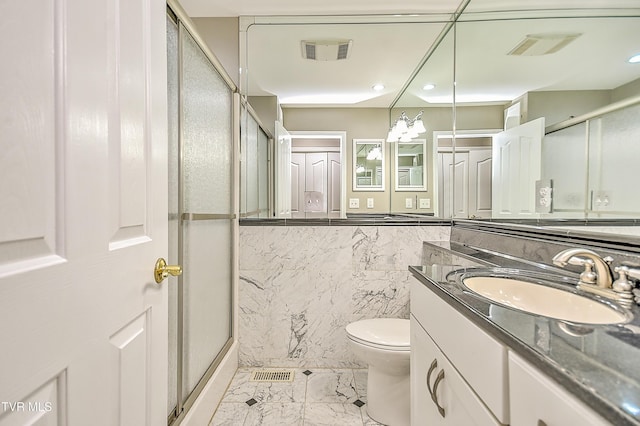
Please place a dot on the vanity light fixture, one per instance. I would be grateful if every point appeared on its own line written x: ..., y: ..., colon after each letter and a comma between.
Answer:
x: 635, y: 59
x: 406, y: 128
x: 375, y: 153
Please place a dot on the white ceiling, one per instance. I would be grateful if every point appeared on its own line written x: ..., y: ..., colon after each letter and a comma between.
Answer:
x: 208, y: 8
x: 388, y: 53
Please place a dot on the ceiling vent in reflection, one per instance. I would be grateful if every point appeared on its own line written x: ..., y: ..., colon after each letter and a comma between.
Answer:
x: 327, y: 50
x: 543, y: 44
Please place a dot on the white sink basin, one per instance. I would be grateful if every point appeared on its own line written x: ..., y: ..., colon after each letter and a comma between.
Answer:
x: 542, y: 300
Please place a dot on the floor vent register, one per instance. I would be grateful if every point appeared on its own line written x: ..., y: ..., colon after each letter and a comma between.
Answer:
x: 279, y: 375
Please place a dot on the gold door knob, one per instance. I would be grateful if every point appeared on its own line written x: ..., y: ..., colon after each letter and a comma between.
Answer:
x: 162, y: 270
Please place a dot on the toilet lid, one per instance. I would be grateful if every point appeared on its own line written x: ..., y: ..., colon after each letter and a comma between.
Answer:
x: 388, y: 332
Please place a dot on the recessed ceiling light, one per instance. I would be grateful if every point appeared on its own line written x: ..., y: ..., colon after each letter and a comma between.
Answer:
x: 378, y: 87
x: 635, y: 59
x: 429, y: 86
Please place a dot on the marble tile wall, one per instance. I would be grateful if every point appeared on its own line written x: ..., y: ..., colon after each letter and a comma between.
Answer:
x: 301, y: 285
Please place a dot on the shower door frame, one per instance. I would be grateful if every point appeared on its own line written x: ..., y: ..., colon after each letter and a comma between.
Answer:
x: 184, y: 23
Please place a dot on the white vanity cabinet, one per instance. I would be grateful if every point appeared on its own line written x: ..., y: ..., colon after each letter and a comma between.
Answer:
x: 536, y: 400
x: 474, y: 389
x: 439, y: 394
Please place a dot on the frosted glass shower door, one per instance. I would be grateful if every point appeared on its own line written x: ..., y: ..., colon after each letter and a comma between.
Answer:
x: 202, y: 217
x: 207, y: 211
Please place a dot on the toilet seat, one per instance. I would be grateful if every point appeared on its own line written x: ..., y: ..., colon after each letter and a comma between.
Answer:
x: 383, y: 333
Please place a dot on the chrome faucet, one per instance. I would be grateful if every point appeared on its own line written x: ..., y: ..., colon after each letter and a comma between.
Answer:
x: 603, y: 276
x: 600, y: 281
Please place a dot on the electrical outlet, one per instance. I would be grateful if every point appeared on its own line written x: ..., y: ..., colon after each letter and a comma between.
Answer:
x: 369, y: 203
x: 354, y: 203
x: 408, y: 203
x: 425, y: 203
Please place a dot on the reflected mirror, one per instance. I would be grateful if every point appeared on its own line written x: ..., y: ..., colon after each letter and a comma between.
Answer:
x: 513, y: 69
x: 411, y: 167
x: 368, y: 164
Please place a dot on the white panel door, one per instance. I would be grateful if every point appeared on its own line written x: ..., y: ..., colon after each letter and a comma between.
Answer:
x: 297, y: 184
x: 83, y: 216
x: 480, y: 183
x: 517, y: 154
x: 334, y: 185
x: 457, y: 187
x: 461, y: 185
x: 316, y: 180
x: 283, y: 172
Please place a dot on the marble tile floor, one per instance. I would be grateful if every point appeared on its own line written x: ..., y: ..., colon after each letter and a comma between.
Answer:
x: 316, y: 397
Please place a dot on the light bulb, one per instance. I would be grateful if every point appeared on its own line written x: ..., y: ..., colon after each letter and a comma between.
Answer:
x: 418, y: 126
x: 401, y: 127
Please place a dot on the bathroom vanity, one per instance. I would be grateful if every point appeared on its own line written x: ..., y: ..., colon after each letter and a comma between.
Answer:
x: 477, y: 362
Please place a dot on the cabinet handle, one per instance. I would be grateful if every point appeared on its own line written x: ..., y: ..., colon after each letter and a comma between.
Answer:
x: 439, y: 378
x: 434, y: 364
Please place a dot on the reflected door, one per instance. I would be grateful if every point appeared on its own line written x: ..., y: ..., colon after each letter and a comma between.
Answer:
x: 454, y: 190
x: 480, y: 163
x: 517, y: 154
x: 315, y: 184
x: 471, y: 187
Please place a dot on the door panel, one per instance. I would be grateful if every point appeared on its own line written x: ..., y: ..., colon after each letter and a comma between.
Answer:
x: 480, y: 183
x: 461, y: 185
x: 316, y: 180
x: 283, y: 172
x: 334, y: 185
x: 517, y: 154
x: 84, y: 160
x: 31, y: 206
x: 130, y: 351
x: 298, y: 172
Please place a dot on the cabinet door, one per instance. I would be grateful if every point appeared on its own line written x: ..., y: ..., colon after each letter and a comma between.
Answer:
x: 536, y: 400
x: 431, y: 372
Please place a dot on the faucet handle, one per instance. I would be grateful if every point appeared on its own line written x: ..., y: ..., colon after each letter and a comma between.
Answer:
x: 587, y: 276
x: 622, y: 284
x: 629, y: 269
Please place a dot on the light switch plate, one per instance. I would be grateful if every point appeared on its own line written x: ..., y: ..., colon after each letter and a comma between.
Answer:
x: 425, y: 203
x: 354, y: 203
x: 369, y: 203
x: 408, y: 203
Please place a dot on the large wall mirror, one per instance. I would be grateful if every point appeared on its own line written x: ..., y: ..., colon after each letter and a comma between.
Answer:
x: 562, y: 87
x: 511, y: 69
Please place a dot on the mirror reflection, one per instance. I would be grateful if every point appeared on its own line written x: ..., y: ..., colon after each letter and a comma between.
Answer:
x: 529, y: 76
x: 512, y: 68
x: 411, y: 168
x: 368, y: 166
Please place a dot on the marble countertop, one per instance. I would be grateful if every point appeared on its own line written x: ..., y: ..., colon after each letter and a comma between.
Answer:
x: 599, y: 364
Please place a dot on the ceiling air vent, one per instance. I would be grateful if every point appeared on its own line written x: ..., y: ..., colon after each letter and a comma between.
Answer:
x: 542, y: 44
x: 328, y: 50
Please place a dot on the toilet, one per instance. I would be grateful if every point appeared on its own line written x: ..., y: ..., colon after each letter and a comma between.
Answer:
x: 383, y: 343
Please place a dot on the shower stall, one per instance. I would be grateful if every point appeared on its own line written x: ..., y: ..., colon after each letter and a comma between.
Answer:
x: 202, y: 212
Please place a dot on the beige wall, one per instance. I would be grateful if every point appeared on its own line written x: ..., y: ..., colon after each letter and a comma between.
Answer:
x: 268, y: 110
x: 222, y: 37
x: 626, y: 91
